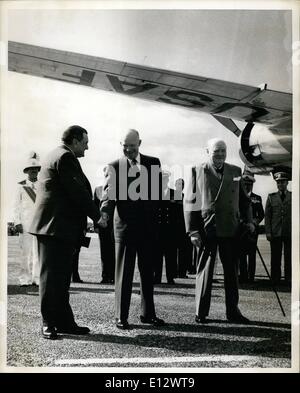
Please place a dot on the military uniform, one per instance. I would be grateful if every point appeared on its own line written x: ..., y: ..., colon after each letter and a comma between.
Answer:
x: 278, y: 232
x: 165, y: 239
x: 248, y: 246
x: 23, y: 211
x: 183, y: 245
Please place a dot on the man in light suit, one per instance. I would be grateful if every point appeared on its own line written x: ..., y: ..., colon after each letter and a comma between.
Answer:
x: 64, y: 200
x: 131, y: 197
x: 214, y: 203
x: 278, y: 223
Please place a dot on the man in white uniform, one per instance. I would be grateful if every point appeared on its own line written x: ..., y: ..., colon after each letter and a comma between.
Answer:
x: 25, y: 198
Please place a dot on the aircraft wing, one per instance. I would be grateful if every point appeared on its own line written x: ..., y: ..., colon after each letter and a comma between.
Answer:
x: 216, y: 97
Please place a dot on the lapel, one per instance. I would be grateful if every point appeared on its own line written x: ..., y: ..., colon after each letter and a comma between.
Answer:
x: 143, y: 160
x: 227, y: 176
x: 286, y: 199
x: 212, y: 177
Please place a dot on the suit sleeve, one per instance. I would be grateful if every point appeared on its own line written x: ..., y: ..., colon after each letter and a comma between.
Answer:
x: 73, y: 183
x: 191, y: 205
x: 109, y: 196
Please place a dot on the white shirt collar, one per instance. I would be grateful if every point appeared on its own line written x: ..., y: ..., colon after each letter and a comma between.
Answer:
x: 138, y: 159
x: 30, y: 183
x: 67, y: 147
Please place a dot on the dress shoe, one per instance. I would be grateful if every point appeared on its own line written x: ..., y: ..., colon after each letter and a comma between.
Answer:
x: 77, y: 279
x: 153, y: 321
x: 171, y: 282
x: 122, y: 324
x: 49, y: 332
x: 73, y: 329
x: 239, y: 318
x: 200, y: 319
x: 105, y: 281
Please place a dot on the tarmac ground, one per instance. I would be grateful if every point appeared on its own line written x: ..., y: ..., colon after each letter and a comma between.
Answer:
x: 182, y: 344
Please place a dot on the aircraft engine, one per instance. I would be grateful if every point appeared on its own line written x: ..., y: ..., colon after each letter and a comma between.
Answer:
x: 266, y: 149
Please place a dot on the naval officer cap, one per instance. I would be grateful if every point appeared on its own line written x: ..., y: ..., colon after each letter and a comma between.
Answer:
x: 281, y: 176
x: 32, y: 162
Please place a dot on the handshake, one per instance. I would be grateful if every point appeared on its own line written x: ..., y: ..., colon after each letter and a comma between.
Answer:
x: 103, y: 221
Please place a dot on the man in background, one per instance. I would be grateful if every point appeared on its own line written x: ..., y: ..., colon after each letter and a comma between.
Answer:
x: 278, y: 223
x: 184, y: 248
x: 249, y: 242
x: 106, y: 241
x: 23, y: 211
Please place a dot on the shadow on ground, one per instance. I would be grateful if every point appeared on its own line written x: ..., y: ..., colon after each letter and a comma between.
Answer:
x: 266, y: 342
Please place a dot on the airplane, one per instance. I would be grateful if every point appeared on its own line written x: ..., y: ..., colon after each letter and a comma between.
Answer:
x: 265, y: 141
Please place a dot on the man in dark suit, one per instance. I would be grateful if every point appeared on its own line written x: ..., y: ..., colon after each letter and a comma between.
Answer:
x: 278, y: 223
x: 106, y: 242
x: 165, y: 243
x: 249, y: 243
x: 64, y: 200
x: 214, y: 203
x: 131, y: 193
x: 182, y: 242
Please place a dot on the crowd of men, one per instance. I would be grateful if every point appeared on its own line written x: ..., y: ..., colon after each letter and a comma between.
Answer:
x: 139, y: 217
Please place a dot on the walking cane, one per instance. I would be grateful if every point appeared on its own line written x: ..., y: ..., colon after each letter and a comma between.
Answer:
x: 274, y: 289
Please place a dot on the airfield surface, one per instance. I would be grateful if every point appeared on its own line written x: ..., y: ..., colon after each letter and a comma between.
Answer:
x: 264, y: 344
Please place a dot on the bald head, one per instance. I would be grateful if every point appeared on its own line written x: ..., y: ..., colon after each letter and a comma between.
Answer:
x: 130, y: 141
x: 216, y: 149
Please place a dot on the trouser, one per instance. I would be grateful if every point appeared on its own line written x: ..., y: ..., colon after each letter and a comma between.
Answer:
x: 126, y: 253
x: 29, y: 261
x: 56, y: 257
x: 165, y: 248
x: 248, y: 260
x: 75, y: 265
x: 277, y: 244
x: 204, y: 275
x: 107, y: 252
x: 184, y: 254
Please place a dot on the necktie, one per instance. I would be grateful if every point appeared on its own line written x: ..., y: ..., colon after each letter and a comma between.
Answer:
x: 33, y: 186
x: 282, y: 196
x: 134, y: 165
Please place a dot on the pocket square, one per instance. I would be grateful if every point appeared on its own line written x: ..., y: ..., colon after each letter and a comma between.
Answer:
x: 238, y: 178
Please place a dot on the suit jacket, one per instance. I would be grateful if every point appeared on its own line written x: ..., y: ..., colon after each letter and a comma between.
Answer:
x: 133, y: 215
x: 167, y: 211
x: 278, y: 215
x: 206, y: 195
x: 257, y: 208
x: 64, y: 198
